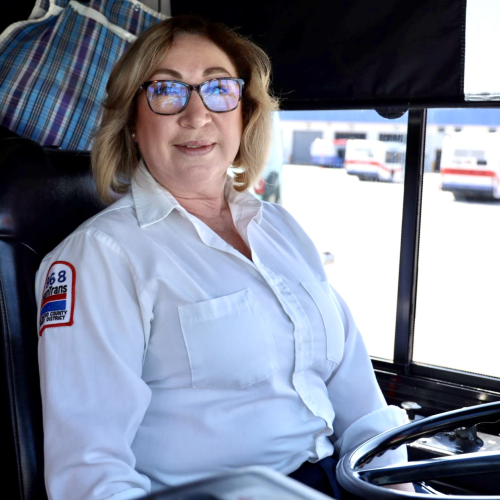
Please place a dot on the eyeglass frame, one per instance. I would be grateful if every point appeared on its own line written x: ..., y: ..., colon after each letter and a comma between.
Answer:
x: 190, y: 88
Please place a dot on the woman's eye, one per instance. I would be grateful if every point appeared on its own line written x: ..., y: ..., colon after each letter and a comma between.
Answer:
x: 172, y: 91
x: 218, y: 90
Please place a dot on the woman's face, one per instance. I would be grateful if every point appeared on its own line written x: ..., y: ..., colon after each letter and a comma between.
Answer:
x: 189, y: 152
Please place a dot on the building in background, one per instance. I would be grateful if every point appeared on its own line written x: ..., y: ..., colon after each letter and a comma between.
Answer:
x: 301, y: 128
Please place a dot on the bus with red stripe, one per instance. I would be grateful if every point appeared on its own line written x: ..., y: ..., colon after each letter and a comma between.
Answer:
x: 470, y: 165
x: 375, y: 160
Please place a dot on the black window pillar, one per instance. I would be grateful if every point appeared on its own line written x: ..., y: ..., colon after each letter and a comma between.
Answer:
x: 408, y: 264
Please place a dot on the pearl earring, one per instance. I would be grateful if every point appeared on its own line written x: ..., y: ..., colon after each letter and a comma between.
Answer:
x: 133, y: 135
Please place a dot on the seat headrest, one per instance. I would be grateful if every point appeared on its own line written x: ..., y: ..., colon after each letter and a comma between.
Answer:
x: 45, y: 194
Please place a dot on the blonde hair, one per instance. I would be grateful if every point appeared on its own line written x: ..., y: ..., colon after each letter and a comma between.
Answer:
x: 115, y: 155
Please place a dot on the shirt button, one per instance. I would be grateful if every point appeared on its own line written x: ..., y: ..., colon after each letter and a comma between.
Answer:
x: 302, y: 345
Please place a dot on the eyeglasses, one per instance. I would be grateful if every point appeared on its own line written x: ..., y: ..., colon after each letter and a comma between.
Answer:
x: 169, y: 97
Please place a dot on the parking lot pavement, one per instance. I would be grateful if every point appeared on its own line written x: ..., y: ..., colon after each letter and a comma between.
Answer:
x: 459, y: 269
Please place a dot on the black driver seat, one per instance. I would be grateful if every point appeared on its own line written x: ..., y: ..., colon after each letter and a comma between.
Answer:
x: 44, y: 195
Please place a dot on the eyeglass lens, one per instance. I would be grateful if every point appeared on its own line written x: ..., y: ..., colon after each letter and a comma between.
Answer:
x: 166, y: 97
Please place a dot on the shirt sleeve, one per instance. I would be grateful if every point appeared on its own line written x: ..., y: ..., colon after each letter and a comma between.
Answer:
x: 361, y: 411
x: 93, y: 328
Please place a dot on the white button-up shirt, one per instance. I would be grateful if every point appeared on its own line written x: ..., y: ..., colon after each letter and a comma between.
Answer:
x: 167, y: 356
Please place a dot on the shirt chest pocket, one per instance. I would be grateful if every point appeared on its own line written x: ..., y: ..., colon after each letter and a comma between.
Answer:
x: 228, y: 341
x: 334, y: 328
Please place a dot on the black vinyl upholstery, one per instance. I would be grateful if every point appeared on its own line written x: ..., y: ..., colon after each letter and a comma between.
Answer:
x: 44, y: 195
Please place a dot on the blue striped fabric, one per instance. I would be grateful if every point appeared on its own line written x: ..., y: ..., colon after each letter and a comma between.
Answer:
x: 53, y: 70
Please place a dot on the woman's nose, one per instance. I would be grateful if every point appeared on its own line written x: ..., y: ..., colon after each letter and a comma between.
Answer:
x: 195, y: 114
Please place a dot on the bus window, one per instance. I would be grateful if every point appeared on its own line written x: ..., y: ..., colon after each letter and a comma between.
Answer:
x: 358, y: 222
x: 457, y: 296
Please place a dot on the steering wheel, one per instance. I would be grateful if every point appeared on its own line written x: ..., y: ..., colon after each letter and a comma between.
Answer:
x: 366, y: 482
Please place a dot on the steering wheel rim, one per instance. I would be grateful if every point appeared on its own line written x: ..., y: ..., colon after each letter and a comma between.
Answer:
x: 356, y: 478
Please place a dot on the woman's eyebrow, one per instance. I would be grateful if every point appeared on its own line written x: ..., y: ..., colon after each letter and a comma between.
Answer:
x: 216, y: 69
x: 168, y: 72
x: 176, y: 74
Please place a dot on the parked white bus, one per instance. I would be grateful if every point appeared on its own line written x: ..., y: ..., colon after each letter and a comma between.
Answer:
x: 470, y: 165
x: 375, y: 160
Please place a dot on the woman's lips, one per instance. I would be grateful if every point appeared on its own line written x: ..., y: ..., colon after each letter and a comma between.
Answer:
x: 195, y: 148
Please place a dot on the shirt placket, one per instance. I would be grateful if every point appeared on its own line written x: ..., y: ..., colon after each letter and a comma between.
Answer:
x: 304, y: 353
x: 303, y: 344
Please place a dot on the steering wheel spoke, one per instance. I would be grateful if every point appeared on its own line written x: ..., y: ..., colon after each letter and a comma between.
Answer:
x: 423, y: 470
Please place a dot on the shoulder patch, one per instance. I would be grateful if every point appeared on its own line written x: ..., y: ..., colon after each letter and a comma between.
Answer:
x: 58, y: 298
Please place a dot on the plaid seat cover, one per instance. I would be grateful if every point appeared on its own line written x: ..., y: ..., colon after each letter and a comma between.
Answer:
x: 54, y: 67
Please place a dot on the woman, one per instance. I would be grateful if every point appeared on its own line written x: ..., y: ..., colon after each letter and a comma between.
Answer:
x: 189, y: 328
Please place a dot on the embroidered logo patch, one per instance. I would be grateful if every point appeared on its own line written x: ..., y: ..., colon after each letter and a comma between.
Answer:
x: 58, y: 299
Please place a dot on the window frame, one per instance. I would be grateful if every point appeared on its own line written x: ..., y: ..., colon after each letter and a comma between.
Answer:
x: 435, y: 389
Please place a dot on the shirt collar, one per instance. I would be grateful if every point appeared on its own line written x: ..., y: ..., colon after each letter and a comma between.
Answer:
x: 153, y: 202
